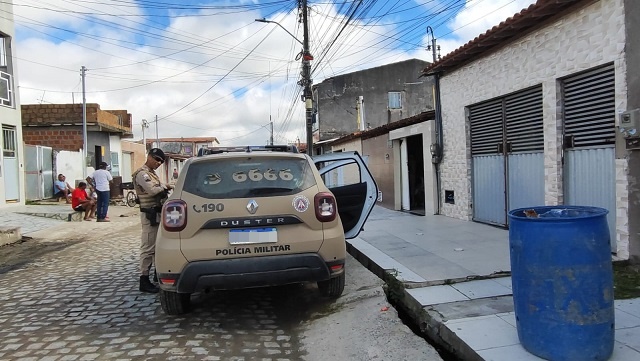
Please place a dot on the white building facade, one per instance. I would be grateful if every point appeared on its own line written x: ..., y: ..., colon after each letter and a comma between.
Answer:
x: 12, y: 189
x: 532, y: 121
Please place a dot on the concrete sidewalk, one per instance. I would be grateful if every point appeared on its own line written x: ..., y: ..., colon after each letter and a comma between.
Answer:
x: 456, y: 279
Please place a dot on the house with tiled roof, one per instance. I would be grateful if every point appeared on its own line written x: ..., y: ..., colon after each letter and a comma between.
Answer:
x: 531, y: 112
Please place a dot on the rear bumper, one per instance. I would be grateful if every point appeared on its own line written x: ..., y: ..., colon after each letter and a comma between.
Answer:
x: 251, y: 272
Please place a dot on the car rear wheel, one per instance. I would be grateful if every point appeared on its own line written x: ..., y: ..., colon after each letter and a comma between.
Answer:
x: 332, y: 287
x: 174, y: 303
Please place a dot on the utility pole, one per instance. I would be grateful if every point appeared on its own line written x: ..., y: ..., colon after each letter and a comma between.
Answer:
x: 157, y: 138
x: 437, y: 143
x: 271, y: 138
x: 83, y: 70
x: 306, y: 78
x: 145, y: 125
x: 433, y: 45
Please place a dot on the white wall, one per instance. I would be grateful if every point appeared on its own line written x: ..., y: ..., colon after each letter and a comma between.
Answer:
x: 12, y: 116
x: 70, y: 164
x: 115, y: 147
x: 594, y: 35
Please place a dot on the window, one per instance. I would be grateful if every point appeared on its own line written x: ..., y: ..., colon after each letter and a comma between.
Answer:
x: 395, y: 100
x: 249, y: 177
x: 115, y: 164
x: 9, y: 141
x: 6, y: 80
x: 4, y: 42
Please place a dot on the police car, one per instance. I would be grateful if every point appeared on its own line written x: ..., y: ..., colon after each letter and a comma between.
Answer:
x: 244, y: 217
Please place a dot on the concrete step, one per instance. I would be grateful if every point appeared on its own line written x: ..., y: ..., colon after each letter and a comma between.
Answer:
x: 9, y: 235
x: 52, y: 210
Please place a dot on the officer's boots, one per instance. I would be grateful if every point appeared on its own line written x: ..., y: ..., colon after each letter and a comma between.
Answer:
x: 147, y: 286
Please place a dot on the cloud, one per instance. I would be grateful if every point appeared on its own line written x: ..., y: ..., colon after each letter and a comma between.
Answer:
x: 474, y: 19
x: 225, y: 76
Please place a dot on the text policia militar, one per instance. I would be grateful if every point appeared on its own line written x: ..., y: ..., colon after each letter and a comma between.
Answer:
x: 254, y: 250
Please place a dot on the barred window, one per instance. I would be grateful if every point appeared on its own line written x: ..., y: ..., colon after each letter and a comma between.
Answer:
x: 9, y: 141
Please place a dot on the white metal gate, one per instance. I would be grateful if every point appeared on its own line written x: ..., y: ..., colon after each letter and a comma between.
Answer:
x: 38, y: 172
x: 507, y: 144
x: 10, y: 164
x: 589, y: 141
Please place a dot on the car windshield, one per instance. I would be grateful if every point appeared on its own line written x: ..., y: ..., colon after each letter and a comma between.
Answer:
x: 248, y: 177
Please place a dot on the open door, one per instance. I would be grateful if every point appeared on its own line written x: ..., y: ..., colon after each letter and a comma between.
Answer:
x: 349, y: 179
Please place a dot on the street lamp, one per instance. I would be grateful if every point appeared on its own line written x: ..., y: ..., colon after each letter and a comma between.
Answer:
x: 306, y: 80
x: 263, y: 20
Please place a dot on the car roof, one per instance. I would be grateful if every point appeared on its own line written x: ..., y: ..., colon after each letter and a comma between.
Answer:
x: 243, y: 152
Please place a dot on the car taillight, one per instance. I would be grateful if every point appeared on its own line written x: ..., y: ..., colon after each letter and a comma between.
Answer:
x: 174, y: 216
x: 325, y: 205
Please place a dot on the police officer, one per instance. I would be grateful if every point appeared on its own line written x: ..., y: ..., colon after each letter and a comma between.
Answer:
x: 151, y: 194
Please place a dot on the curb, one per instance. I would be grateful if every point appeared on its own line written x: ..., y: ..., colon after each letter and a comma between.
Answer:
x: 428, y: 321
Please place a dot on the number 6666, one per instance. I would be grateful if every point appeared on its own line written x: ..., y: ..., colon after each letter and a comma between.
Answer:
x: 257, y: 175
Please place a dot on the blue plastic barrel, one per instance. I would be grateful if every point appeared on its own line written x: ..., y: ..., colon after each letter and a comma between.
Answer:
x: 562, y: 279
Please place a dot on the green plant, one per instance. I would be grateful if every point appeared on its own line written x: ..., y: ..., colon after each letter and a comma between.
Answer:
x: 626, y: 280
x: 394, y: 288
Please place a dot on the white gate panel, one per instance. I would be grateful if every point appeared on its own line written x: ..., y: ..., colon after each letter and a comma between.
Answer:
x: 526, y: 180
x: 489, y: 189
x: 590, y: 180
x: 32, y: 173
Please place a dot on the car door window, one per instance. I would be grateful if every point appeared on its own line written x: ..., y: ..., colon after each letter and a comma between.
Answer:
x: 350, y: 181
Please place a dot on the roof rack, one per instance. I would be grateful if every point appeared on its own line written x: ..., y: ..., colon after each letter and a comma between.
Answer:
x: 248, y: 149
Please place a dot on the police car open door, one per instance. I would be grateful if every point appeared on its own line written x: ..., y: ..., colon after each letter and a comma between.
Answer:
x: 350, y: 181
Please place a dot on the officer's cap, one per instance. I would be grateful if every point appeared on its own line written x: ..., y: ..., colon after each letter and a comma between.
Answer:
x: 157, y: 152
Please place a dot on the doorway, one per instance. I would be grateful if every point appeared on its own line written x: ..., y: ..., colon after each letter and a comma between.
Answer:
x: 413, y: 196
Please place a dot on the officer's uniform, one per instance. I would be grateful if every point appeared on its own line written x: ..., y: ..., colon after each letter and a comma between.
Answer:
x: 150, y: 192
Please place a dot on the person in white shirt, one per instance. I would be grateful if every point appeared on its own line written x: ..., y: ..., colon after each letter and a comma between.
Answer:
x: 102, y: 179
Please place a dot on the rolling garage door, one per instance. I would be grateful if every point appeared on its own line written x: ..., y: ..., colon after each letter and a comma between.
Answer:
x: 589, y: 141
x: 507, y: 142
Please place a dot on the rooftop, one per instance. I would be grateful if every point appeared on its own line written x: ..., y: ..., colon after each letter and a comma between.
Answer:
x: 507, y: 31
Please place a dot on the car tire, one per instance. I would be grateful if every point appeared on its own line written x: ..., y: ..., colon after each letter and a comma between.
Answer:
x: 332, y: 287
x: 174, y: 303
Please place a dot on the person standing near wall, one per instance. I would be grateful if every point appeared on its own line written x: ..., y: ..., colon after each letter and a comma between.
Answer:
x: 151, y: 194
x: 102, y: 179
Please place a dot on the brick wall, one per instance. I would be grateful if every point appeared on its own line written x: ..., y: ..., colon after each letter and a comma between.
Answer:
x: 122, y: 116
x: 68, y: 139
x: 56, y: 114
x: 42, y: 114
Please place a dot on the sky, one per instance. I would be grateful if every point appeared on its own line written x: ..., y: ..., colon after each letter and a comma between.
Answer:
x: 207, y: 68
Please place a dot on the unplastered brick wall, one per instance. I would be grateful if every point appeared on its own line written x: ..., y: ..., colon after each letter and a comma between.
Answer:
x: 61, y: 114
x: 45, y: 114
x: 588, y: 37
x: 58, y: 139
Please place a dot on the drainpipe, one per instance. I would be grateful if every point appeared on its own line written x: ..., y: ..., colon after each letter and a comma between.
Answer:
x: 436, y: 148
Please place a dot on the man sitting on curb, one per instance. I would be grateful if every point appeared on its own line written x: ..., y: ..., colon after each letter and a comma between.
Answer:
x: 62, y: 189
x: 80, y: 202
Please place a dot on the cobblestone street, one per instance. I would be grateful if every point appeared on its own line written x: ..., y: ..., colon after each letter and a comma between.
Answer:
x: 82, y: 303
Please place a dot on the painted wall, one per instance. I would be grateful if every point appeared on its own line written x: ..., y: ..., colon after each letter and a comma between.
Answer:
x: 138, y: 151
x: 380, y: 165
x: 592, y: 35
x: 11, y: 115
x: 69, y: 164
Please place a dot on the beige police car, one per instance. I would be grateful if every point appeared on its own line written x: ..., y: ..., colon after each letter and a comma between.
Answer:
x: 260, y: 216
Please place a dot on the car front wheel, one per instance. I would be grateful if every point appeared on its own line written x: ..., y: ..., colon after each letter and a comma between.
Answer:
x: 332, y: 287
x: 174, y: 303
